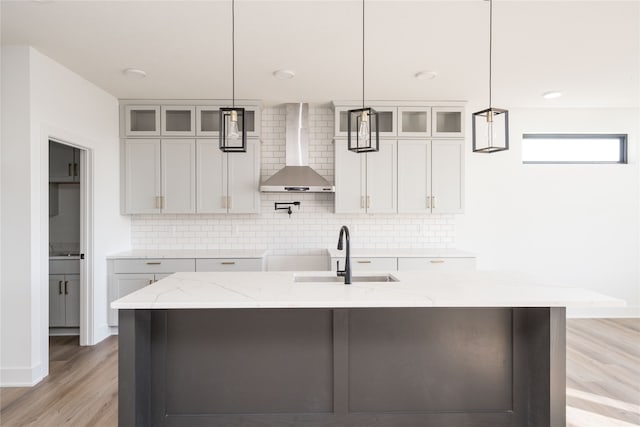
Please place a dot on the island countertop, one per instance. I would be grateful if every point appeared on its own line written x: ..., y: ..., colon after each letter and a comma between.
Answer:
x: 204, y: 290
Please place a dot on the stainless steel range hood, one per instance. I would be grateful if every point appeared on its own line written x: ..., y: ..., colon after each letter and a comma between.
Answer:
x: 297, y: 176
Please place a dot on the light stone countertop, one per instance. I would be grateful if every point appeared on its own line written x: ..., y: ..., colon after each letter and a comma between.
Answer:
x: 414, y: 289
x: 403, y: 253
x: 190, y: 253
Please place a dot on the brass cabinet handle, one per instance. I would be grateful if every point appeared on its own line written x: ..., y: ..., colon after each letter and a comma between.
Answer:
x: 66, y: 288
x: 368, y: 202
x: 59, y: 287
x: 437, y: 261
x: 228, y: 262
x: 433, y: 202
x: 428, y: 202
x: 157, y: 200
x: 151, y: 281
x: 154, y: 262
x: 224, y: 202
x: 229, y: 202
x: 361, y: 202
x: 364, y: 262
x: 69, y: 169
x: 162, y: 202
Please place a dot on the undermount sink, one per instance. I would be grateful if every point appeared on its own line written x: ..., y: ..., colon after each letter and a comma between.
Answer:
x: 354, y: 279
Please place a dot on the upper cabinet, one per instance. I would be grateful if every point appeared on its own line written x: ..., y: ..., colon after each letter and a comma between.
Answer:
x: 414, y: 121
x: 387, y: 119
x: 447, y: 122
x: 178, y: 120
x: 208, y: 120
x: 142, y: 120
x: 64, y: 163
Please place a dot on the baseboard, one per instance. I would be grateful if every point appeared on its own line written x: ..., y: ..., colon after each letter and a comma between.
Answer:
x: 603, y: 312
x: 113, y: 330
x: 21, y: 377
x: 61, y: 332
x: 101, y: 333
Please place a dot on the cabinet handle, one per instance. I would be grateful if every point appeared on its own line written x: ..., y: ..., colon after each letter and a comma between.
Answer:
x: 428, y: 202
x: 75, y: 169
x: 437, y: 261
x: 368, y: 202
x: 433, y: 202
x: 157, y: 200
x: 59, y: 287
x: 364, y: 262
x: 228, y: 262
x: 361, y: 202
x: 224, y: 202
x: 162, y: 204
x: 151, y: 281
x: 154, y: 262
x: 66, y: 287
x: 69, y: 169
x: 229, y: 202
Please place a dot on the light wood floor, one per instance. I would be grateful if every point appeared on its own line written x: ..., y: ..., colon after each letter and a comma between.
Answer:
x: 603, y: 381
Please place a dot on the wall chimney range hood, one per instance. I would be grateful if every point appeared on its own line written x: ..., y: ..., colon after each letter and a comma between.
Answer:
x: 297, y: 176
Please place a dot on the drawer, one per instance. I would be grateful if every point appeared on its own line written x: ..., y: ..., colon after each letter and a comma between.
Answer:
x: 153, y: 265
x: 436, y: 264
x: 368, y: 264
x: 229, y: 264
x: 64, y: 266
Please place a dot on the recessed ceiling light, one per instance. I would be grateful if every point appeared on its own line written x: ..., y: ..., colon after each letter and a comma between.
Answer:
x: 552, y: 94
x: 284, y: 74
x: 135, y: 73
x: 425, y: 75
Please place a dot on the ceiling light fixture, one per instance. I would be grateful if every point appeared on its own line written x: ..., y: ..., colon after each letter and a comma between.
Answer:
x: 233, y: 139
x: 426, y: 75
x: 135, y: 73
x: 552, y: 94
x: 365, y: 120
x: 490, y: 126
x: 283, y: 74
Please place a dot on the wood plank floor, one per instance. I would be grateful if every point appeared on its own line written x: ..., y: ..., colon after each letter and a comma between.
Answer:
x: 603, y: 380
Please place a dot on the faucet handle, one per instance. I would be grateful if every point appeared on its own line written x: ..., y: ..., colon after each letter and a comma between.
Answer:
x: 338, y: 271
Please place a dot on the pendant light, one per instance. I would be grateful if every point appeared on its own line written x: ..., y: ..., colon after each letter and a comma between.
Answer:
x: 490, y: 126
x: 233, y: 135
x: 363, y: 136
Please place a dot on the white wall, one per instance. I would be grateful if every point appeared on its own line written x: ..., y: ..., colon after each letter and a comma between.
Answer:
x: 48, y: 100
x: 569, y: 224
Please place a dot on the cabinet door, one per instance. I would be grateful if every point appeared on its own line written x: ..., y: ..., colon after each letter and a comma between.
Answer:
x: 386, y: 120
x: 414, y: 176
x: 178, y: 120
x: 62, y: 163
x: 124, y: 284
x: 142, y: 120
x: 72, y: 300
x: 56, y: 301
x: 350, y: 179
x: 382, y: 179
x: 207, y: 121
x: 447, y: 166
x: 178, y: 176
x: 142, y: 176
x: 211, y: 182
x: 414, y: 121
x: 447, y: 122
x: 244, y: 180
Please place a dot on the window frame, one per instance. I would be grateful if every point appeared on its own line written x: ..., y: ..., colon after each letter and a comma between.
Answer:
x: 621, y: 137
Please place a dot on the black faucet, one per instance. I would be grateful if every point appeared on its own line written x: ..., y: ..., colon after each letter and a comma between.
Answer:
x: 346, y: 273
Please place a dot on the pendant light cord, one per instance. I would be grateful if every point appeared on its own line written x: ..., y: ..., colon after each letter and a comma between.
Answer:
x: 362, y: 53
x: 233, y: 54
x: 490, y: 45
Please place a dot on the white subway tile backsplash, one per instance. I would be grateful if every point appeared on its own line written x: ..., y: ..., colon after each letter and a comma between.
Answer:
x: 310, y: 229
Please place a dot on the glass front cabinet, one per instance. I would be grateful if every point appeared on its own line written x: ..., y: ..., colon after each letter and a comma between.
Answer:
x: 208, y: 120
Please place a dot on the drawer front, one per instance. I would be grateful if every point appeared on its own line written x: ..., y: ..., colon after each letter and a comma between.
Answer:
x: 367, y: 264
x: 64, y: 266
x: 229, y: 264
x: 153, y: 265
x: 436, y: 264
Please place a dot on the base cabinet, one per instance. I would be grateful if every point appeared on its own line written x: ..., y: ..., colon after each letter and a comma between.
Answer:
x: 407, y: 263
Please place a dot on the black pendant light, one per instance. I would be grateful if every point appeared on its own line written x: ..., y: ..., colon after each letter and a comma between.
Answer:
x: 362, y: 123
x: 490, y: 126
x: 233, y: 135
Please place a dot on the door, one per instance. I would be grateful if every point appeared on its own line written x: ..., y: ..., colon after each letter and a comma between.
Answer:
x: 178, y: 176
x: 56, y: 301
x: 63, y: 166
x: 72, y: 300
x: 350, y: 179
x: 142, y: 176
x: 382, y: 178
x: 447, y: 166
x: 414, y: 170
x: 244, y: 180
x: 211, y: 181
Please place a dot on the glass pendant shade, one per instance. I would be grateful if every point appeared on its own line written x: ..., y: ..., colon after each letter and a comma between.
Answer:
x: 363, y: 136
x: 490, y: 130
x: 233, y: 136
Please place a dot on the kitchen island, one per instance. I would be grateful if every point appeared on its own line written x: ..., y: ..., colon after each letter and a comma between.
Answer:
x: 281, y: 348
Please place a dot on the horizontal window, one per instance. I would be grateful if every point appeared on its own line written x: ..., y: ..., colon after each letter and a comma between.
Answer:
x: 574, y: 148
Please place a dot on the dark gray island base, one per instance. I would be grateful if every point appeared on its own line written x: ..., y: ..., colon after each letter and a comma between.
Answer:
x: 342, y: 367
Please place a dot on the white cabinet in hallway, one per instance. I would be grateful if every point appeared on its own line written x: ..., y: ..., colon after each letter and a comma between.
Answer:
x: 366, y: 182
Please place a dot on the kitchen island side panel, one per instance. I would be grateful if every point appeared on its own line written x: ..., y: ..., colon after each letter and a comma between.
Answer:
x: 365, y: 366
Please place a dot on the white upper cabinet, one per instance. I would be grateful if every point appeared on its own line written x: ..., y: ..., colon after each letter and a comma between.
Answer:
x: 447, y: 122
x: 211, y: 178
x: 208, y: 120
x: 178, y: 176
x: 142, y: 189
x: 366, y: 182
x: 387, y: 118
x: 142, y: 120
x: 243, y: 195
x: 414, y: 121
x: 178, y: 120
x: 430, y: 176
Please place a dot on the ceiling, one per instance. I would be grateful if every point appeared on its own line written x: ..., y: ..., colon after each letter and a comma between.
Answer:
x: 588, y: 49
